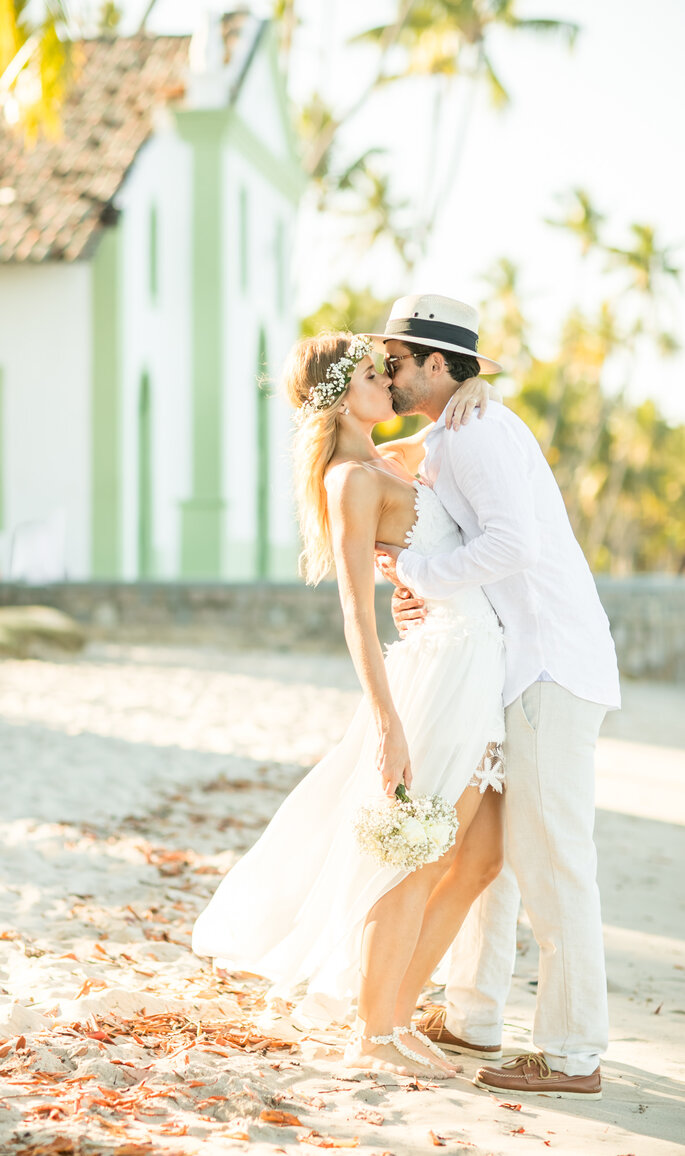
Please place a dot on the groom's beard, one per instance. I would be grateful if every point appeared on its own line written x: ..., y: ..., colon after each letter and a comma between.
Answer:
x: 403, y: 401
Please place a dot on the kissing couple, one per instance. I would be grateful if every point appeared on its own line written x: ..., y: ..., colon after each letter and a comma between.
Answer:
x: 503, y: 673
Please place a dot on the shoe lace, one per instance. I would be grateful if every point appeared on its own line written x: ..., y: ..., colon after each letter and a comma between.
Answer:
x: 533, y: 1059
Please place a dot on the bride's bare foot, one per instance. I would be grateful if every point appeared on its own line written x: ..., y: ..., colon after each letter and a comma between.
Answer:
x: 436, y: 1058
x: 365, y: 1054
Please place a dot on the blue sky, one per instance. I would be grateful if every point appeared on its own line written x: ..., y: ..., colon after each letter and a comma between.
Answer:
x: 607, y: 116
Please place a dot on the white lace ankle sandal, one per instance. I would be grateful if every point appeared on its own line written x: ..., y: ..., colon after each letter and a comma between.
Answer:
x: 430, y: 1044
x: 394, y: 1039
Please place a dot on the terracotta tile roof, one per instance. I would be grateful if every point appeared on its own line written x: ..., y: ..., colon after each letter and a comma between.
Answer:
x: 55, y: 194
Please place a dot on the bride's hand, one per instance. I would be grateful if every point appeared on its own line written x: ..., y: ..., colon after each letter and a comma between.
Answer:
x: 471, y: 393
x: 392, y: 759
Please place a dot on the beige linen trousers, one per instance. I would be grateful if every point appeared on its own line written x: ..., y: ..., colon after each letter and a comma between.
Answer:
x: 551, y: 865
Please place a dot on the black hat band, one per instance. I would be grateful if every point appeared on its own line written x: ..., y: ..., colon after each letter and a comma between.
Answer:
x: 432, y: 330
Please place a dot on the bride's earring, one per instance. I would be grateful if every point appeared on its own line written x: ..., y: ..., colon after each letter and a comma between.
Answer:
x: 345, y: 409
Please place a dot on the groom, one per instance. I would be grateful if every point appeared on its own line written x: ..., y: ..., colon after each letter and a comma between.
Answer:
x: 561, y: 677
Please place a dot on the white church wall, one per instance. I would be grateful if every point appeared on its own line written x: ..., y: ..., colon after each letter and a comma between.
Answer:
x: 156, y: 342
x: 45, y: 359
x: 254, y: 302
x: 258, y: 105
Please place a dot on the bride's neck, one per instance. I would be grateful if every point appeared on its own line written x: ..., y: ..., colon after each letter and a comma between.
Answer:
x: 355, y: 442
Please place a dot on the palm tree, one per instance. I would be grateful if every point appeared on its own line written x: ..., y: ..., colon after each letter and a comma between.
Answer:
x: 503, y: 319
x: 650, y: 265
x: 447, y: 39
x: 450, y: 38
x: 37, y: 62
x: 109, y: 18
x: 327, y: 124
x: 581, y: 219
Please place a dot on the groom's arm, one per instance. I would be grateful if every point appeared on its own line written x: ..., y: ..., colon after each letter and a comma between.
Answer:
x: 472, y: 394
x: 489, y: 467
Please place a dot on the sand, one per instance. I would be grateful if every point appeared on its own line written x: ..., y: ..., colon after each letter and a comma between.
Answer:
x: 132, y: 778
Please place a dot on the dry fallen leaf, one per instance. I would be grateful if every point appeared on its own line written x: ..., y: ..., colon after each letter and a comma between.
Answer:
x: 89, y: 985
x: 438, y: 1141
x: 368, y: 1115
x: 283, y: 1119
x: 511, y: 1107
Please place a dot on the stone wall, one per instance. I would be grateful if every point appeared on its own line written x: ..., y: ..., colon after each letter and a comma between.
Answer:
x: 647, y: 615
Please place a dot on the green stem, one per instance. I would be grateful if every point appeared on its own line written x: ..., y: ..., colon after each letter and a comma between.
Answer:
x: 401, y: 792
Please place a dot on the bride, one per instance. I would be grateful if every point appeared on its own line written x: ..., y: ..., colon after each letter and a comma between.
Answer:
x: 327, y: 924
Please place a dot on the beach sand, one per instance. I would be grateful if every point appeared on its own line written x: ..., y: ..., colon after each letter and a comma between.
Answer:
x: 132, y: 778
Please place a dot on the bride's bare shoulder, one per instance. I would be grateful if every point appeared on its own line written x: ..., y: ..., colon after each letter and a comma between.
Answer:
x: 349, y: 482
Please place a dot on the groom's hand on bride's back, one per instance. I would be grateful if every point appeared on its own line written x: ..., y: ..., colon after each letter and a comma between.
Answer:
x: 406, y: 608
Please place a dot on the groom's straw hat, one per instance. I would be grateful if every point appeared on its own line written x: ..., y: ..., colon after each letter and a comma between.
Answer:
x: 425, y: 319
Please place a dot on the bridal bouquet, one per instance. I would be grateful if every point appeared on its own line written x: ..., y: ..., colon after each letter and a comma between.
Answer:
x: 404, y: 831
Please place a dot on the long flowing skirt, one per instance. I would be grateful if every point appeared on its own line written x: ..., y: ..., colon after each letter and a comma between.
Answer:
x: 293, y: 908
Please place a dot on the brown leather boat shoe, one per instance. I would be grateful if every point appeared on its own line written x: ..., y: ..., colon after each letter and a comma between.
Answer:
x: 432, y: 1024
x: 531, y: 1074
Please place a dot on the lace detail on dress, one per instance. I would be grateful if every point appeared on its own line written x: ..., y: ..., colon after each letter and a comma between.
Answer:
x: 490, y: 771
x: 433, y: 527
x: 409, y: 536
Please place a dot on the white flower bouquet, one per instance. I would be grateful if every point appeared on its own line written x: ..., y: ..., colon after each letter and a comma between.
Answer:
x: 406, y: 831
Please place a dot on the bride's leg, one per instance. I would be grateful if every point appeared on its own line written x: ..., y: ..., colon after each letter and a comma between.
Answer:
x: 390, y: 937
x: 477, y: 861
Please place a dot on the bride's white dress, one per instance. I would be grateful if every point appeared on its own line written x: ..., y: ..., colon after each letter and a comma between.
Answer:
x: 293, y: 908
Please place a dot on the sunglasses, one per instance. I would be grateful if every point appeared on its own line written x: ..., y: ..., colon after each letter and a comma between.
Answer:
x: 390, y: 362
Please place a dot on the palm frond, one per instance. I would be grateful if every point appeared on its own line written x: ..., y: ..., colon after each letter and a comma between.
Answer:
x: 499, y: 96
x: 566, y: 30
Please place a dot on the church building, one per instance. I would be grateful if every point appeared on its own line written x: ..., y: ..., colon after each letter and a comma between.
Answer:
x: 145, y: 310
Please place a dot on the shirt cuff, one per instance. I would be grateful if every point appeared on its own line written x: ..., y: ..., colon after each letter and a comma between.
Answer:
x: 404, y: 566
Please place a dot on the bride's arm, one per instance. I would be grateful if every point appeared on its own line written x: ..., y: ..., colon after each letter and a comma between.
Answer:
x: 410, y: 451
x: 354, y: 503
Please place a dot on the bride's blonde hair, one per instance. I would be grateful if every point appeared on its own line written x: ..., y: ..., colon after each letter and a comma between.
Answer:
x: 314, y: 446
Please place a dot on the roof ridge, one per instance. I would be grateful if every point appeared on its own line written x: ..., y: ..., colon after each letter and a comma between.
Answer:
x: 57, y: 189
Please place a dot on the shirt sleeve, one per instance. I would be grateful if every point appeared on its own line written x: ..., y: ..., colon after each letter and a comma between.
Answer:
x: 489, y: 466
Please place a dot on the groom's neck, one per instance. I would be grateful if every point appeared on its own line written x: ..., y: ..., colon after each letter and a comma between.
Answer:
x: 434, y: 404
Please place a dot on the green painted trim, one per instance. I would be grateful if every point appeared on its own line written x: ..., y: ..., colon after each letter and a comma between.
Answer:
x: 145, y: 476
x: 153, y: 252
x: 105, y: 415
x: 284, y: 561
x: 263, y: 460
x: 242, y: 562
x: 2, y: 449
x: 202, y: 513
x: 284, y: 174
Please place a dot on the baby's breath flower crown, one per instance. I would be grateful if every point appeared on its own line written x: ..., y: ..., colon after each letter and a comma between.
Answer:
x: 338, y: 375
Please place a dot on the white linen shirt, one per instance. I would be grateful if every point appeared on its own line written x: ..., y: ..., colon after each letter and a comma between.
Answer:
x: 492, y: 477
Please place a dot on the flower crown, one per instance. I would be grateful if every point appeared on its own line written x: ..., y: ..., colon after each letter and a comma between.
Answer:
x: 338, y: 375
